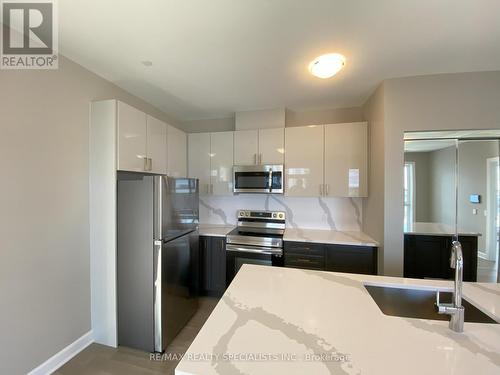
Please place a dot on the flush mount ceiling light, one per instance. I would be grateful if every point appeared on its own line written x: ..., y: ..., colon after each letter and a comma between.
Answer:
x: 147, y: 63
x: 326, y: 66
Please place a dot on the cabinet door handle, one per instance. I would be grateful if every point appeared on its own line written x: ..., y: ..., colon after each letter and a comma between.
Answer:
x: 150, y: 164
x: 146, y: 162
x: 255, y: 158
x: 321, y: 189
x: 211, y: 189
x: 327, y: 189
x: 260, y: 158
x: 208, y: 189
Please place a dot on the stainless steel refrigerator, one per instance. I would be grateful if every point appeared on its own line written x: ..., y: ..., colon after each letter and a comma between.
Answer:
x: 157, y: 258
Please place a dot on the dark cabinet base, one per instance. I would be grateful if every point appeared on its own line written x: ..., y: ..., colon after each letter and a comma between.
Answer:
x: 327, y: 257
x: 429, y: 257
x: 352, y: 259
x: 213, y: 266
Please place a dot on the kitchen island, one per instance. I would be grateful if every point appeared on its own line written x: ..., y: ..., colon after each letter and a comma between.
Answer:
x: 427, y: 249
x: 290, y: 321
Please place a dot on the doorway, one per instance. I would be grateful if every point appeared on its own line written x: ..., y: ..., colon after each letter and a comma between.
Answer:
x: 488, y: 258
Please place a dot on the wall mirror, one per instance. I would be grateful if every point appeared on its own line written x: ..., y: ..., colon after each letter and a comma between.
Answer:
x: 452, y: 190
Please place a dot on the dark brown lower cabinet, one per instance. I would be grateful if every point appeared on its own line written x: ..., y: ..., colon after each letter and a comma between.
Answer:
x: 351, y: 259
x: 327, y: 257
x: 213, y: 265
x: 304, y: 255
x: 429, y: 257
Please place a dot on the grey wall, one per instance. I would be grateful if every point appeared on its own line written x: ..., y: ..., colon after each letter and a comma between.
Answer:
x: 422, y: 184
x: 44, y: 200
x: 292, y: 118
x: 373, y: 206
x: 437, y: 102
x: 326, y: 116
x: 209, y: 125
x: 442, y: 186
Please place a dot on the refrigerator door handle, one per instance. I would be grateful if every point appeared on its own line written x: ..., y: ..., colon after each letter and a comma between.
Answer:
x: 158, y: 334
x: 157, y: 207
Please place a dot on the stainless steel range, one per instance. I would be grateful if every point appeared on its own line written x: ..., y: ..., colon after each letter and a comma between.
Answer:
x: 257, y: 239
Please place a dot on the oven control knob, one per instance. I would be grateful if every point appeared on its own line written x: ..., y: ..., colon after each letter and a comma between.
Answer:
x: 242, y: 213
x: 274, y: 215
x: 247, y: 213
x: 280, y: 216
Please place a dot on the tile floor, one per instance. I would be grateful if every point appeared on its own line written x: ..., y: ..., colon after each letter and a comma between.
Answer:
x: 103, y: 360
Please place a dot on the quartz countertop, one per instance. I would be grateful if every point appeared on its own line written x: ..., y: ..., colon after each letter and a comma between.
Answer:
x: 329, y: 237
x: 338, y: 237
x: 274, y: 320
x: 215, y: 230
x: 436, y: 229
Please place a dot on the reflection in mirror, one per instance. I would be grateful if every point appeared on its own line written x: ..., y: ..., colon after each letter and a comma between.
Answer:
x: 479, y: 199
x: 429, y: 186
x: 452, y: 187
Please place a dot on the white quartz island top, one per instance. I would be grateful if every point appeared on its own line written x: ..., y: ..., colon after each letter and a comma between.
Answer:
x: 435, y: 229
x: 329, y: 237
x: 285, y: 321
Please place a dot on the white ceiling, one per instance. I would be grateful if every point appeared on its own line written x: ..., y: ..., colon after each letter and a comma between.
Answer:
x: 213, y: 57
x: 428, y: 145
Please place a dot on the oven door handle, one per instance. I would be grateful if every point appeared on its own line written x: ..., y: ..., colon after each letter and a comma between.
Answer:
x: 247, y: 249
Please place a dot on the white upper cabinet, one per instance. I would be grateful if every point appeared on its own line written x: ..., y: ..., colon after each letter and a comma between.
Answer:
x: 346, y: 159
x: 146, y: 144
x: 304, y: 161
x: 199, y: 160
x: 176, y: 152
x: 157, y: 145
x: 221, y: 155
x: 132, y: 139
x: 271, y: 146
x: 246, y: 147
x: 263, y: 146
x: 210, y: 159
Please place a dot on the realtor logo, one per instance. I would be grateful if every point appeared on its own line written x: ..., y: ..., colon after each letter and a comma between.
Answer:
x: 29, y: 35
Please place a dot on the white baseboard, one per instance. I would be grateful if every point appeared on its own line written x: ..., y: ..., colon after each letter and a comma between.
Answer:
x: 59, y: 359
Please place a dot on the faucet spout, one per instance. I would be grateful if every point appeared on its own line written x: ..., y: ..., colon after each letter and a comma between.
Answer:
x: 457, y: 262
x: 455, y: 309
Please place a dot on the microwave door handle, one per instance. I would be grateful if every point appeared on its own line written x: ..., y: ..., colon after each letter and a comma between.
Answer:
x: 270, y: 181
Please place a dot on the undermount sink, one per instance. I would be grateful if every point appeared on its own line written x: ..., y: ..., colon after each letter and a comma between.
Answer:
x: 420, y: 304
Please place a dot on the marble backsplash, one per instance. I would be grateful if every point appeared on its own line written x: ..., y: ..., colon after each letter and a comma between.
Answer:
x: 308, y: 213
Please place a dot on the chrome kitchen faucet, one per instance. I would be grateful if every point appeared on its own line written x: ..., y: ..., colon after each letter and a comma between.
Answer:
x: 455, y: 309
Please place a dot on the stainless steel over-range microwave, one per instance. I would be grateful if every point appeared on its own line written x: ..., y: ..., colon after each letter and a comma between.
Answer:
x: 266, y: 179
